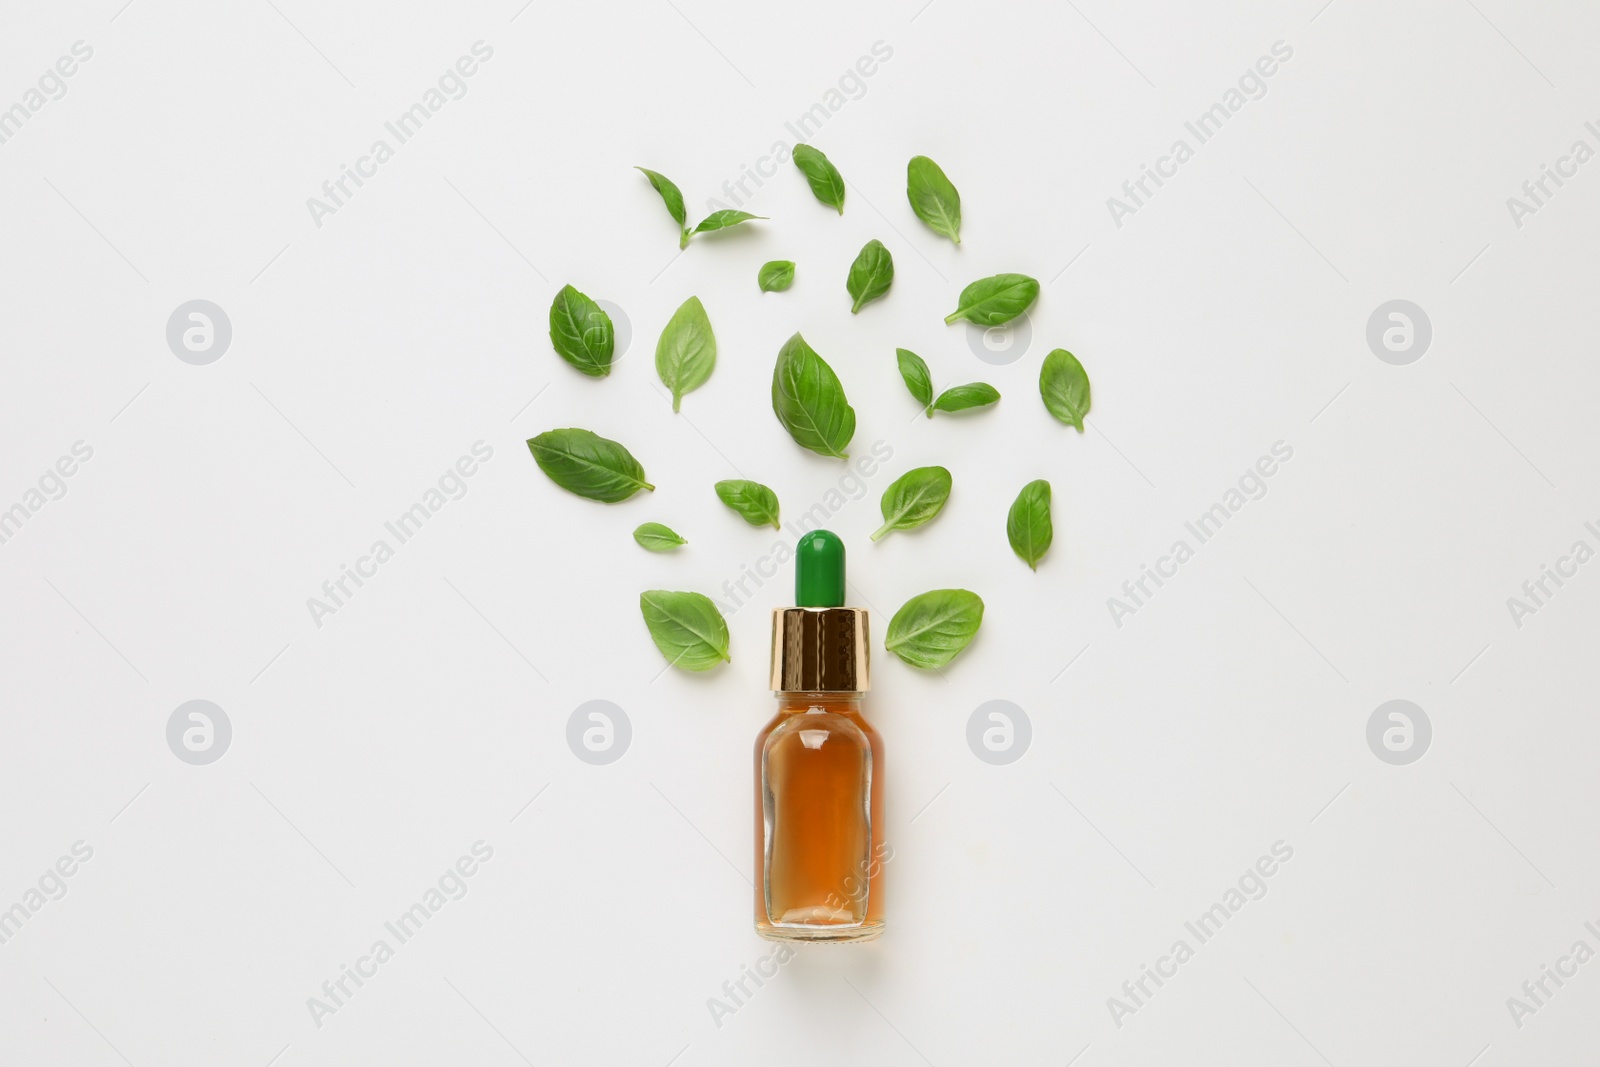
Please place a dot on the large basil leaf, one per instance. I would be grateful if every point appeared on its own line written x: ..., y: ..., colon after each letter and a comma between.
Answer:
x: 913, y: 499
x: 810, y: 402
x: 687, y: 350
x: 1028, y: 525
x: 930, y: 630
x: 686, y: 627
x: 589, y: 465
x: 581, y: 332
x: 757, y: 504
x: 827, y: 184
x: 870, y: 274
x: 1064, y: 384
x: 994, y: 301
x: 933, y: 197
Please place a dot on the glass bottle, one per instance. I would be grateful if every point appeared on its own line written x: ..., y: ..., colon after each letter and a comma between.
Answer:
x: 819, y: 834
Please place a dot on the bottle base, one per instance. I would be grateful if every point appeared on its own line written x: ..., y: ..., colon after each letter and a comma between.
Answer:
x: 836, y: 934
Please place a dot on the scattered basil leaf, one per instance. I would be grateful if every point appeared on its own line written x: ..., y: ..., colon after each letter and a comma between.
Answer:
x: 581, y: 332
x: 930, y: 630
x: 870, y: 274
x: 687, y: 350
x: 721, y: 220
x: 589, y: 465
x: 914, y: 372
x: 657, y: 538
x: 809, y: 401
x: 827, y: 185
x: 913, y: 499
x: 1064, y: 384
x: 686, y: 627
x: 674, y: 201
x: 1028, y: 525
x: 757, y: 504
x: 933, y: 197
x: 776, y: 276
x: 962, y: 397
x: 994, y: 301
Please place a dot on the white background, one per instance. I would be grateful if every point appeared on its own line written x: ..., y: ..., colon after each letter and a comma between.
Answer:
x: 1229, y: 713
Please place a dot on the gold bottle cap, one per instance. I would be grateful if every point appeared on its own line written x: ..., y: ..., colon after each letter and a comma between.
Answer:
x: 820, y: 650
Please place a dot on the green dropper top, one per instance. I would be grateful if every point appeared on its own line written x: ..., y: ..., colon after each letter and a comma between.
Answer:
x: 819, y: 570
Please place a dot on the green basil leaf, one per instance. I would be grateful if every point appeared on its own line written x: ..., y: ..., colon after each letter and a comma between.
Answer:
x: 914, y: 372
x: 721, y: 220
x: 1064, y: 384
x: 810, y: 402
x: 913, y: 499
x: 686, y: 627
x: 657, y: 538
x: 1028, y: 525
x: 752, y: 500
x: 870, y: 274
x: 827, y: 185
x: 674, y: 201
x: 776, y: 276
x: 933, y: 197
x: 687, y: 350
x: 994, y: 301
x: 930, y: 630
x: 962, y: 397
x: 589, y: 465
x: 581, y: 332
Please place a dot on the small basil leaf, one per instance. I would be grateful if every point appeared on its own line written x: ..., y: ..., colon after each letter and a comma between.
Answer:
x: 1064, y: 385
x: 674, y: 201
x: 757, y: 504
x: 721, y: 220
x: 687, y: 350
x: 930, y: 630
x: 827, y: 185
x: 994, y: 301
x: 933, y: 197
x: 657, y: 538
x: 776, y: 276
x: 870, y: 274
x: 809, y: 401
x: 686, y: 627
x: 913, y: 499
x: 962, y: 397
x: 914, y: 372
x: 581, y: 332
x: 589, y: 465
x: 1028, y: 525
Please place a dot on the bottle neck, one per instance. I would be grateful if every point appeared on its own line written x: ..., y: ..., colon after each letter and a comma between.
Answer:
x: 843, y: 703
